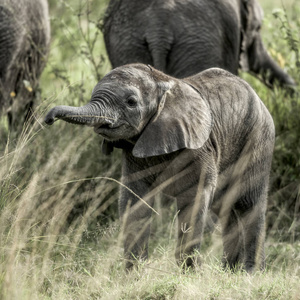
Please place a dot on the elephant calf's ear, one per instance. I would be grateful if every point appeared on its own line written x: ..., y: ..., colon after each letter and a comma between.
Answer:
x: 183, y: 120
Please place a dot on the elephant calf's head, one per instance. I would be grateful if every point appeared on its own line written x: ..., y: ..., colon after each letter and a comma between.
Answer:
x: 122, y: 103
x: 155, y: 112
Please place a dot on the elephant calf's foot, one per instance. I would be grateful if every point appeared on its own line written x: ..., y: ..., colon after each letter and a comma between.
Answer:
x: 135, y: 261
x: 248, y: 266
x: 189, y: 262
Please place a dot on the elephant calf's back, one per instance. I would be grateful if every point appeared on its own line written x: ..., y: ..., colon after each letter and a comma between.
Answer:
x: 244, y: 135
x: 242, y: 123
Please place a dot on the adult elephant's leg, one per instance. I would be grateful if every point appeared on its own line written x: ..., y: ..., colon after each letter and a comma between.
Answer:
x: 160, y: 42
x: 260, y: 62
x: 159, y: 57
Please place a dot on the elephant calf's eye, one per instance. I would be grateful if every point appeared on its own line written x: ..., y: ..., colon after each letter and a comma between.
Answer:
x: 131, y: 102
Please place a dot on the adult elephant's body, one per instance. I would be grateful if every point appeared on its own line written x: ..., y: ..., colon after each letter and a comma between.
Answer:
x: 24, y: 45
x: 206, y: 140
x: 182, y: 38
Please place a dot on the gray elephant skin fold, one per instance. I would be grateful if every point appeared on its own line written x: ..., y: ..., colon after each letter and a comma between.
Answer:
x: 206, y: 140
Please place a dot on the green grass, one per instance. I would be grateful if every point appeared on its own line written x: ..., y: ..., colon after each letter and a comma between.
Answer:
x: 60, y: 237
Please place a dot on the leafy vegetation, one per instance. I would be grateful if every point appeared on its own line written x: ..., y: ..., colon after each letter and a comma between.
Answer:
x: 59, y: 232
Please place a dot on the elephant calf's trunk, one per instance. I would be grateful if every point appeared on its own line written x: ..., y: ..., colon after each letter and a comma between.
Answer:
x: 76, y: 115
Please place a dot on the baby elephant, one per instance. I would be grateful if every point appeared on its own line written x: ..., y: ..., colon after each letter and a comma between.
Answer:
x: 206, y: 140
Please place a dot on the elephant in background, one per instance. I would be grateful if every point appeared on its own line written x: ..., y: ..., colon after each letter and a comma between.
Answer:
x: 182, y: 38
x: 206, y: 140
x: 24, y: 45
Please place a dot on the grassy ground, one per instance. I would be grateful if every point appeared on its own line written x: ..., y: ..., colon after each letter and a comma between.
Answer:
x: 50, y: 177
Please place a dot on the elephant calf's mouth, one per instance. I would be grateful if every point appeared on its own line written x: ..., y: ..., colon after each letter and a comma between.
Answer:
x: 105, y: 126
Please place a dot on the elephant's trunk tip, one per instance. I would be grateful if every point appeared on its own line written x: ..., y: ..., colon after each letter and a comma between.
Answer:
x: 50, y: 118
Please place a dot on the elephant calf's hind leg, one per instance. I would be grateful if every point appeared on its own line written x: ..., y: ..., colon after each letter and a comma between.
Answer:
x: 243, y: 234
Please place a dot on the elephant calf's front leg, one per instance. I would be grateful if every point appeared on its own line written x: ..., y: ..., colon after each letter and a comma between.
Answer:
x: 136, y: 218
x: 191, y: 221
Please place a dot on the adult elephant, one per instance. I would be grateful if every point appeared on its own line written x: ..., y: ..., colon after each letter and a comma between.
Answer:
x: 182, y: 38
x: 24, y: 45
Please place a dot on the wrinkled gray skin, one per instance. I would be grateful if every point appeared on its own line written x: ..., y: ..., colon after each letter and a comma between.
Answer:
x: 24, y: 44
x: 182, y: 38
x: 206, y: 140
